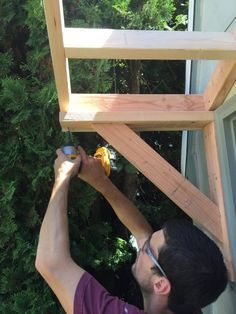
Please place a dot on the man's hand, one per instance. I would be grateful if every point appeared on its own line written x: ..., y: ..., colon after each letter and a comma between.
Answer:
x: 92, y: 171
x: 64, y: 167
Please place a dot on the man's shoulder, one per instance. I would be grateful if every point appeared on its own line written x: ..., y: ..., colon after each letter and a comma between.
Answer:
x: 91, y: 297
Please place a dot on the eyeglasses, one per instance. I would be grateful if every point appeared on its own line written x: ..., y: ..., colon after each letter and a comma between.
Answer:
x: 147, y: 249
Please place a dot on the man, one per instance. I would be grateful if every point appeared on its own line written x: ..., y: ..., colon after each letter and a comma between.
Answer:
x: 178, y: 268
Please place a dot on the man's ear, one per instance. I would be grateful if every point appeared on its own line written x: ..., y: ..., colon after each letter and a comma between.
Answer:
x: 162, y: 286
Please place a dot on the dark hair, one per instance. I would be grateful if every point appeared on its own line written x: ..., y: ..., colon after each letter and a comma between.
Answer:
x: 194, y: 265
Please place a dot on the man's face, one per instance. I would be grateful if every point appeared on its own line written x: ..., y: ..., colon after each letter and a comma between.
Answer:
x: 141, y: 269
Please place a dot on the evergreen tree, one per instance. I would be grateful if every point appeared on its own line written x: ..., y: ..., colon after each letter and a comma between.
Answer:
x: 30, y: 133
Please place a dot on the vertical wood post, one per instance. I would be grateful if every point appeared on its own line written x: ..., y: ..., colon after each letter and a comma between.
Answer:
x: 55, y: 25
x: 216, y: 190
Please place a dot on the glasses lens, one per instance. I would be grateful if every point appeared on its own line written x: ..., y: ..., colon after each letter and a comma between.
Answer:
x: 149, y: 252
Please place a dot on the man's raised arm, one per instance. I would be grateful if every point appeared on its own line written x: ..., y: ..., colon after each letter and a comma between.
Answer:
x: 53, y: 260
x: 93, y: 173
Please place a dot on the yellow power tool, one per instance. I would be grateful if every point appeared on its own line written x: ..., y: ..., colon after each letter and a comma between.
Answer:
x: 101, y: 153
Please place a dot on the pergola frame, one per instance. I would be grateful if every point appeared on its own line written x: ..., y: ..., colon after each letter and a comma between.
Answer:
x: 117, y: 117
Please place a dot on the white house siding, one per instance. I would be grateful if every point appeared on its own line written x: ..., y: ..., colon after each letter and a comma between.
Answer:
x: 214, y: 15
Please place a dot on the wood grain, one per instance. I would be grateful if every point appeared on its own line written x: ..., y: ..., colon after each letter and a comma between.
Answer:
x: 55, y: 25
x: 220, y: 84
x: 217, y: 195
x: 163, y: 175
x: 144, y: 44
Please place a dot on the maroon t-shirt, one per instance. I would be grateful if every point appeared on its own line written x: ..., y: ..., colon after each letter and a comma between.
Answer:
x: 92, y: 298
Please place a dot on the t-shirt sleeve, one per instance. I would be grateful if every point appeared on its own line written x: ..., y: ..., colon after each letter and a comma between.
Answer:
x: 92, y: 298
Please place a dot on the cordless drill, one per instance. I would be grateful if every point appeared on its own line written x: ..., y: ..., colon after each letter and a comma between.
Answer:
x: 101, y: 153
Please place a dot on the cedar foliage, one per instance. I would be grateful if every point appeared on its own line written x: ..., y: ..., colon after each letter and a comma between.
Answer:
x: 30, y: 133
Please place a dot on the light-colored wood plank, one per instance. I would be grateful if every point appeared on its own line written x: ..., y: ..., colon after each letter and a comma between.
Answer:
x: 143, y: 44
x: 55, y: 25
x: 138, y: 120
x: 220, y: 84
x: 135, y: 102
x: 216, y: 190
x: 163, y: 175
x: 141, y: 112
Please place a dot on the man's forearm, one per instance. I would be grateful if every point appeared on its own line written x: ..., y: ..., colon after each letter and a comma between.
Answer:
x: 125, y: 210
x: 53, y: 243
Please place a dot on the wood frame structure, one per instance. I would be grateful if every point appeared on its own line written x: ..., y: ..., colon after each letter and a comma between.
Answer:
x: 115, y: 117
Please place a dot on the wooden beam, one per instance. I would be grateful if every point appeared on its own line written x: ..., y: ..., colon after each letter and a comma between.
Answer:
x: 135, y: 102
x: 163, y: 175
x: 220, y: 84
x: 144, y: 44
x: 141, y: 112
x: 55, y: 25
x: 137, y: 120
x: 216, y: 189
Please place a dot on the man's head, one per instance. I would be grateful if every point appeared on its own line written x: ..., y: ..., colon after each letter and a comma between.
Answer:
x: 192, y: 273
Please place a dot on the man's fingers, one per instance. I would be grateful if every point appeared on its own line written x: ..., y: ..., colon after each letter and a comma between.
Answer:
x: 59, y: 152
x: 82, y: 154
x: 78, y: 159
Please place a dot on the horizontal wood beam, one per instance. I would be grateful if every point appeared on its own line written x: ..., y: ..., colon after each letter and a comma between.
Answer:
x: 55, y: 26
x: 163, y: 175
x: 143, y: 44
x: 137, y: 120
x: 135, y: 102
x: 140, y: 112
x: 220, y: 84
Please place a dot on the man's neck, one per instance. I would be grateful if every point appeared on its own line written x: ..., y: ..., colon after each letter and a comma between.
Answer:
x: 153, y: 304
